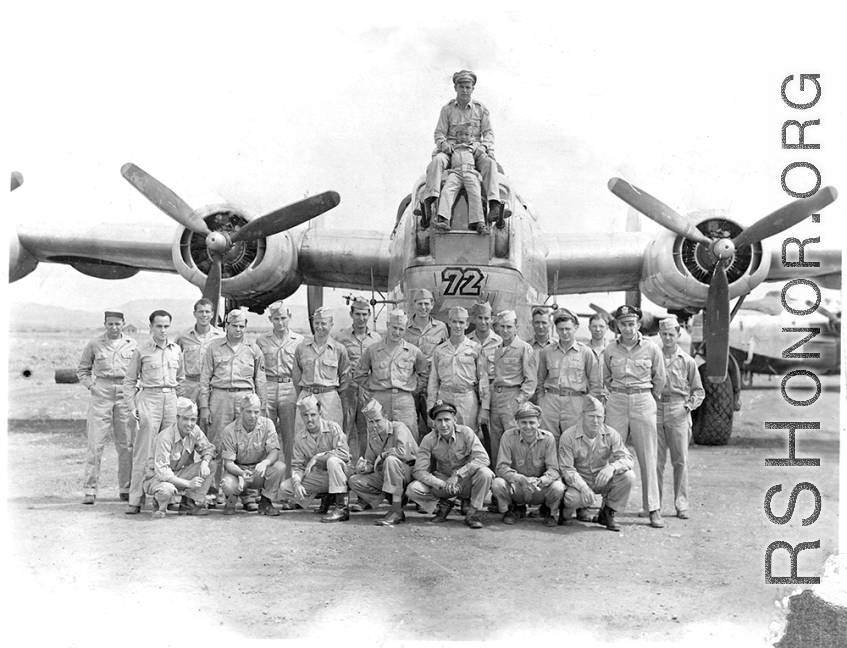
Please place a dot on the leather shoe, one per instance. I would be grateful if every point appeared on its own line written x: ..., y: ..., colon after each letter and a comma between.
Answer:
x: 89, y: 499
x: 266, y: 507
x: 564, y: 517
x: 600, y: 518
x: 324, y: 507
x: 391, y: 518
x: 252, y: 507
x: 473, y: 521
x: 656, y: 520
x: 509, y: 517
x: 611, y: 523
x: 583, y: 515
x: 189, y: 507
x: 132, y: 510
x: 495, y: 213
x: 441, y: 224
x: 682, y: 515
x: 428, y: 204
x: 356, y: 507
x: 173, y: 506
x: 442, y: 511
x: 338, y: 514
x: 547, y: 518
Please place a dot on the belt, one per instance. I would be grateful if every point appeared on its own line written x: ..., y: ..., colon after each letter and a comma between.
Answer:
x: 109, y: 378
x: 277, y: 379
x: 458, y: 390
x: 393, y: 390
x: 501, y: 388
x: 233, y: 389
x: 320, y: 390
x: 194, y: 377
x: 563, y: 391
x: 164, y: 390
x: 669, y: 398
x: 631, y: 390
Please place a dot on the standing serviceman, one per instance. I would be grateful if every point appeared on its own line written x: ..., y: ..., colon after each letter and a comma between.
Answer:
x: 101, y: 370
x: 426, y: 333
x: 232, y: 368
x: 567, y: 371
x: 515, y: 378
x: 598, y: 327
x: 392, y: 371
x: 356, y: 339
x: 489, y: 341
x: 542, y: 331
x: 682, y: 393
x: 278, y: 349
x: 193, y: 341
x: 459, y: 374
x: 634, y: 375
x: 154, y: 379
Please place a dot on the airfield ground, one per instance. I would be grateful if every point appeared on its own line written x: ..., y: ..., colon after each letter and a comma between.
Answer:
x: 92, y: 575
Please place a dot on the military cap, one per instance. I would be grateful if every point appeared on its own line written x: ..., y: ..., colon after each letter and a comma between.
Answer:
x: 627, y: 311
x: 323, y: 312
x: 591, y: 404
x: 564, y: 314
x: 507, y: 316
x: 307, y: 402
x: 482, y: 308
x: 441, y: 406
x: 398, y: 316
x: 249, y: 400
x: 372, y: 409
x: 464, y: 75
x: 113, y: 313
x: 279, y: 307
x: 361, y: 304
x: 422, y: 293
x: 527, y: 410
x: 457, y: 311
x: 185, y: 407
x: 236, y: 315
x: 669, y: 324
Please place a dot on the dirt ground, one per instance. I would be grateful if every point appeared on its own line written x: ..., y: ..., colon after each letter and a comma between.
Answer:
x: 92, y: 575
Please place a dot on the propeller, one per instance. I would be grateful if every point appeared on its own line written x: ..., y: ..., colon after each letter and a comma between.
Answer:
x: 220, y: 242
x: 721, y: 251
x: 17, y: 179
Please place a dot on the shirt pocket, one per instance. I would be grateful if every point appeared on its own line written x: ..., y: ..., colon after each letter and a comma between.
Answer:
x: 618, y: 367
x: 242, y: 366
x: 678, y: 377
x: 643, y: 367
x: 576, y: 370
x: 102, y: 362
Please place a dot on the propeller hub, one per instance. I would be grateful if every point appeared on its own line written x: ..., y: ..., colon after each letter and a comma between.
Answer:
x: 723, y: 249
x: 217, y: 243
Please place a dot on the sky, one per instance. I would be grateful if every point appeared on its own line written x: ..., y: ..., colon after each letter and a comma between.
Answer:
x: 262, y: 106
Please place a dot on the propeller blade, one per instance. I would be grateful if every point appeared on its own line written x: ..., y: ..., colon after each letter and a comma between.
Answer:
x: 17, y: 179
x: 287, y: 217
x: 212, y: 288
x: 716, y: 325
x: 656, y: 210
x: 164, y: 198
x: 785, y: 217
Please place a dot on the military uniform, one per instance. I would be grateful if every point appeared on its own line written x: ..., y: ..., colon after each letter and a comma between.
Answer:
x: 518, y: 459
x: 329, y: 474
x: 355, y: 426
x: 322, y: 371
x: 174, y: 456
x: 489, y: 346
x: 193, y: 349
x: 101, y: 370
x: 515, y: 379
x: 246, y: 448
x: 459, y: 374
x: 154, y: 379
x: 389, y: 459
x: 425, y: 338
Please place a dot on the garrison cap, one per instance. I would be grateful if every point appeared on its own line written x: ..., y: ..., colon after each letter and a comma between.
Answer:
x: 398, y: 316
x: 627, y: 311
x: 507, y: 316
x: 249, y: 400
x: 422, y: 293
x: 441, y: 406
x: 361, y: 304
x: 307, y: 402
x: 527, y: 410
x: 464, y: 75
x: 113, y: 313
x: 564, y: 314
x: 591, y: 404
x: 185, y: 407
x: 457, y: 311
x: 236, y: 315
x: 322, y: 313
x: 669, y: 324
x: 279, y: 307
x: 373, y: 408
x: 482, y: 308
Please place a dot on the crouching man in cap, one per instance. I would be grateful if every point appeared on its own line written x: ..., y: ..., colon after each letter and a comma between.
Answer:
x: 593, y: 459
x: 386, y: 466
x: 528, y: 469
x: 451, y: 462
x: 172, y: 470
x: 250, y: 453
x: 320, y: 464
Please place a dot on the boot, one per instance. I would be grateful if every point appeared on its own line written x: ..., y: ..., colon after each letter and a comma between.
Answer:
x: 472, y: 519
x: 611, y: 523
x: 391, y: 518
x: 547, y: 518
x: 324, y: 507
x: 465, y: 504
x: 442, y: 511
x: 426, y: 217
x: 495, y: 213
x: 510, y: 516
x: 340, y: 512
x: 266, y: 507
x: 188, y: 506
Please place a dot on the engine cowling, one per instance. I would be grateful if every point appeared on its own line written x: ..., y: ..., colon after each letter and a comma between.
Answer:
x: 249, y: 268
x: 21, y: 262
x: 676, y: 271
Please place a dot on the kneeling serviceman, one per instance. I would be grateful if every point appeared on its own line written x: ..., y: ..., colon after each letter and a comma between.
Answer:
x: 172, y: 468
x: 386, y: 467
x: 593, y: 459
x: 528, y: 469
x: 451, y: 462
x: 250, y: 452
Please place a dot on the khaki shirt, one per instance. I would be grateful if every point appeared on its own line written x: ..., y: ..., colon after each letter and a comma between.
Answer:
x: 330, y: 440
x: 461, y: 453
x: 194, y: 348
x: 461, y: 367
x: 356, y: 347
x: 537, y: 348
x: 172, y: 452
x: 427, y: 338
x: 683, y: 379
x: 248, y: 447
x: 639, y: 367
x: 575, y: 368
x: 514, y: 366
x: 382, y: 368
x: 537, y: 458
x: 326, y: 366
x: 279, y: 354
x: 154, y: 366
x: 396, y: 441
x: 489, y: 345
x: 105, y: 358
x: 475, y: 114
x: 226, y: 367
x: 580, y: 460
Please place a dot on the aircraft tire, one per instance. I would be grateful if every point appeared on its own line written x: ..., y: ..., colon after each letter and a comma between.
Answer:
x: 712, y: 421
